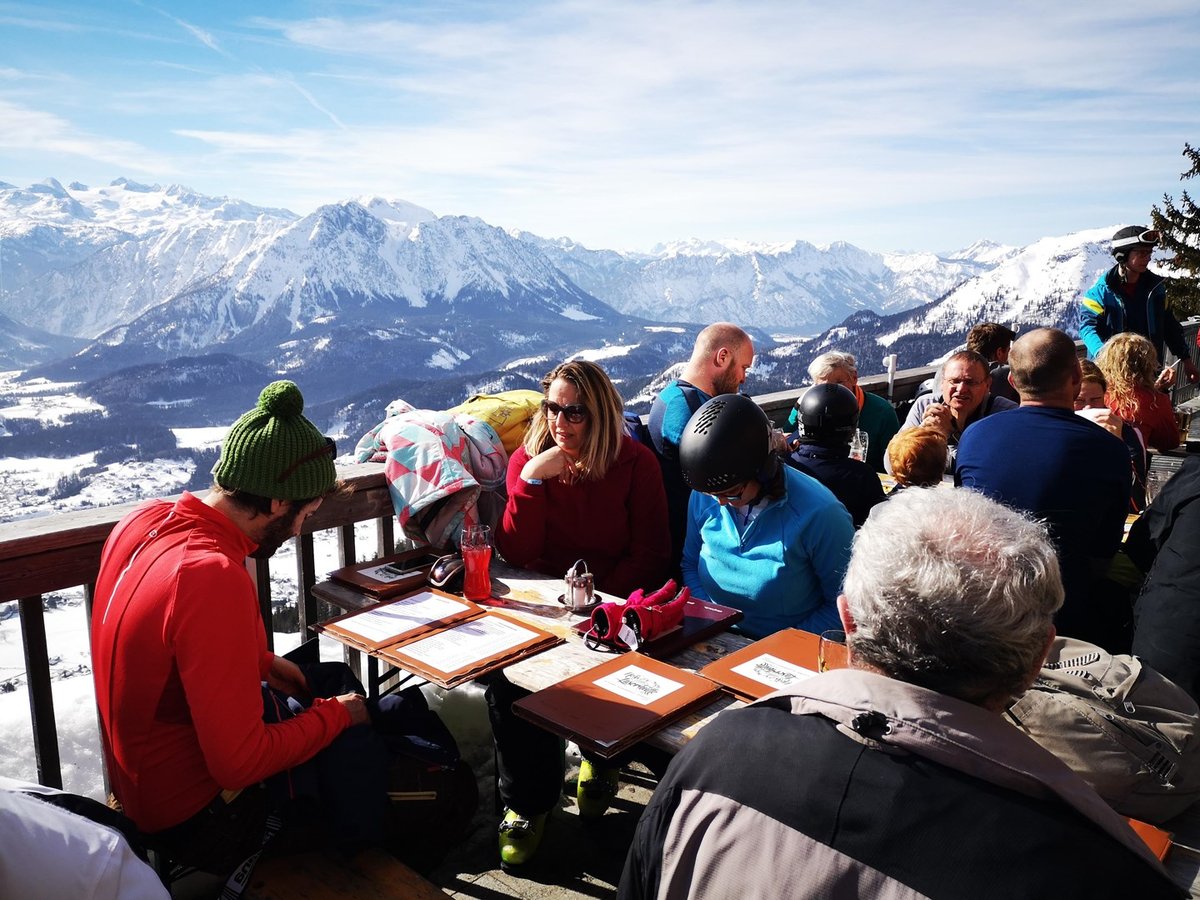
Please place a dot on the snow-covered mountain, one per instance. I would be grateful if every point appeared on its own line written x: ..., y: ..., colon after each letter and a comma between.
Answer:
x: 371, y: 292
x: 1030, y: 287
x: 795, y: 286
x: 181, y: 271
x: 78, y: 260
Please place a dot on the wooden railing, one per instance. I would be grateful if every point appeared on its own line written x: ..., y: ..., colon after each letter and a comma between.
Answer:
x: 53, y: 553
x: 38, y: 556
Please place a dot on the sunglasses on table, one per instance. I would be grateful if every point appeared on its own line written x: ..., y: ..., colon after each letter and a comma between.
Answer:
x: 575, y: 412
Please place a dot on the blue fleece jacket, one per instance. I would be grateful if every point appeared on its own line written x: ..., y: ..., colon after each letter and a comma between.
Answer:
x: 785, y: 571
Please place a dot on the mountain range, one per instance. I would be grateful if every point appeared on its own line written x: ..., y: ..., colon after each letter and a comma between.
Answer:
x: 373, y: 298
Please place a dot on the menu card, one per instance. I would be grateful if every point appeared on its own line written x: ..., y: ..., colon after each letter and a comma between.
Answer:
x: 612, y: 706
x: 768, y: 665
x: 395, y: 621
x: 443, y: 638
x: 389, y: 576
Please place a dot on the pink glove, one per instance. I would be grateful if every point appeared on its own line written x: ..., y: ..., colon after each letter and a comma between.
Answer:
x: 606, y: 618
x: 649, y: 622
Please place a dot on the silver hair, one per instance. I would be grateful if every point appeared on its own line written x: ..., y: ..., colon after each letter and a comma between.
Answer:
x: 953, y: 592
x: 827, y: 362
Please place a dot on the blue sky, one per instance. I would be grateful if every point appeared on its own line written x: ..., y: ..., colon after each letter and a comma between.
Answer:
x: 922, y: 125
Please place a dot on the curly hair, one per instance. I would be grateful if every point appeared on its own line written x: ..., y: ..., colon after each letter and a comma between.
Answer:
x: 1128, y: 361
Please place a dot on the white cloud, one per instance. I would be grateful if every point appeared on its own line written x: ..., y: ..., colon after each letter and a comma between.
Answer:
x: 634, y: 122
x: 44, y: 133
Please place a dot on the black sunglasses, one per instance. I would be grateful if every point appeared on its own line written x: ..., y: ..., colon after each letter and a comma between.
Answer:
x: 330, y: 449
x: 575, y: 413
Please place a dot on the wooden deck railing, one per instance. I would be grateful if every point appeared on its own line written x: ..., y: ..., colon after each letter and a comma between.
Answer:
x: 52, y: 553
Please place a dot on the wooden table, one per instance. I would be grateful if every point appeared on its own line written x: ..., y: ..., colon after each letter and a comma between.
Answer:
x: 532, y: 597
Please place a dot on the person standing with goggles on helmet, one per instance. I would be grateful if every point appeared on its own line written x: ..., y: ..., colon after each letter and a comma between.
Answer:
x: 1129, y: 297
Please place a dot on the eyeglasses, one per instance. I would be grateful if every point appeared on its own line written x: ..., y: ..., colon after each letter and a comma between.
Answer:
x: 964, y: 382
x: 1146, y: 237
x: 330, y: 449
x: 731, y: 498
x: 575, y: 412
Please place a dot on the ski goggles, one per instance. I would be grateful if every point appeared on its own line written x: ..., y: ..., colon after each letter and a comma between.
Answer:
x: 1146, y: 237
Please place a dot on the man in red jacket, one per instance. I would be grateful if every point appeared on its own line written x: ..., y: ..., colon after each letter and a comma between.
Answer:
x: 180, y: 653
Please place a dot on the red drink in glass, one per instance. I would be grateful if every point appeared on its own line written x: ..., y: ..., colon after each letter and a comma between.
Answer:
x: 477, y: 584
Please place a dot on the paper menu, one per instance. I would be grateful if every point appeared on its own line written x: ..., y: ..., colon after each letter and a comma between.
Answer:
x: 613, y: 705
x: 387, y: 573
x: 638, y: 684
x: 468, y: 643
x: 770, y: 664
x: 772, y: 671
x: 385, y: 623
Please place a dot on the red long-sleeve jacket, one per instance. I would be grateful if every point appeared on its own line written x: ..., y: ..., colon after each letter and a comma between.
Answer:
x: 618, y: 524
x: 179, y: 653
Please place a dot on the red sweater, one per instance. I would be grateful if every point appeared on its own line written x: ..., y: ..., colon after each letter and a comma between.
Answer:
x: 179, y: 653
x: 1155, y: 416
x: 617, y: 524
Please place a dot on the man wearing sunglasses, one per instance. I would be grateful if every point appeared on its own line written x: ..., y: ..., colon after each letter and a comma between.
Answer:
x: 180, y: 652
x: 1129, y: 297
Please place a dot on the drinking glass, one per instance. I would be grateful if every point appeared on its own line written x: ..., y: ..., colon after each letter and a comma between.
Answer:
x: 858, y: 445
x: 1154, y: 483
x: 476, y: 550
x: 831, y: 650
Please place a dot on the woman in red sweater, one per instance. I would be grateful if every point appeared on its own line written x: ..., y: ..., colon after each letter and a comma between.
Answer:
x: 578, y: 488
x: 1130, y: 365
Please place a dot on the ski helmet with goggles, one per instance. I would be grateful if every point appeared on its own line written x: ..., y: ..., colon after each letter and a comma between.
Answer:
x: 827, y: 412
x: 727, y: 442
x: 1131, y: 237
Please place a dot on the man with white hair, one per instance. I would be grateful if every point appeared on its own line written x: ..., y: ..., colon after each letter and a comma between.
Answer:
x: 897, y: 776
x: 875, y: 415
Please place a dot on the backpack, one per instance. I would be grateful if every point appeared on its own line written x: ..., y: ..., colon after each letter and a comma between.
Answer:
x: 637, y: 429
x: 1126, y: 730
x: 694, y: 400
x: 508, y: 412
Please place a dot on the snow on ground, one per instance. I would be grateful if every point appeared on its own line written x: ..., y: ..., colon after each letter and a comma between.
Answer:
x: 576, y: 314
x: 609, y: 352
x: 40, y: 399
x: 200, y: 438
x: 27, y: 485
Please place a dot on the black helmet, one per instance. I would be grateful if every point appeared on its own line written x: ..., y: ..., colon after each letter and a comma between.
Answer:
x: 827, y: 412
x: 727, y: 442
x: 1132, y: 236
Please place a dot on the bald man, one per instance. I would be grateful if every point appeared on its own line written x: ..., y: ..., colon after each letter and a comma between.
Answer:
x: 721, y: 358
x: 1044, y: 459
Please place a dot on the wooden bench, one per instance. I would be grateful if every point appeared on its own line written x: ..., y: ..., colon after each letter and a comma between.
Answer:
x: 370, y: 875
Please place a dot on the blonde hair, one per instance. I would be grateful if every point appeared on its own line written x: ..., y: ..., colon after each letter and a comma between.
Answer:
x: 595, y: 391
x: 917, y: 456
x: 1128, y: 361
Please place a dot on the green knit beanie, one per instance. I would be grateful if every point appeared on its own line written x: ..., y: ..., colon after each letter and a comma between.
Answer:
x: 273, y: 451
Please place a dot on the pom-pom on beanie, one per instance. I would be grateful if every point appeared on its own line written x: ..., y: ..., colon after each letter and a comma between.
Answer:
x: 273, y: 451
